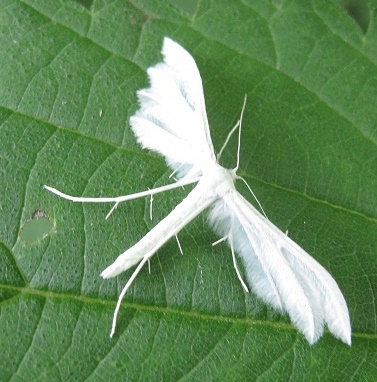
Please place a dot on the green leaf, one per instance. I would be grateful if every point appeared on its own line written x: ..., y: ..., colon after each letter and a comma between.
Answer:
x: 68, y: 80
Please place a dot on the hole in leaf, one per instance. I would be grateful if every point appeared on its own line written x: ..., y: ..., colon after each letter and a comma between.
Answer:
x: 37, y: 227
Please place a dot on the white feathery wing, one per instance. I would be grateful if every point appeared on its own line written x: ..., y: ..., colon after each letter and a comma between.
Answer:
x: 280, y: 271
x: 172, y: 121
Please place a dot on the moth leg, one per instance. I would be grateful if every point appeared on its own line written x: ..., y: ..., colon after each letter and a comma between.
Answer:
x: 253, y: 195
x: 220, y: 240
x: 119, y: 199
x: 234, y: 260
x: 174, y: 172
x: 236, y: 268
x: 179, y: 244
x: 124, y: 291
x: 151, y: 206
x: 114, y: 207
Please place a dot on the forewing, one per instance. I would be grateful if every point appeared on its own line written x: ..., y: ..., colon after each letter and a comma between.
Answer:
x: 281, y: 272
x: 172, y: 119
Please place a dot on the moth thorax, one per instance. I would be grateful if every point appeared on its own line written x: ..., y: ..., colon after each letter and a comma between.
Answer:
x: 221, y: 179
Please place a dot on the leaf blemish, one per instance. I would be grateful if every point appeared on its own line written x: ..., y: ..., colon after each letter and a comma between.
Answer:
x: 37, y: 227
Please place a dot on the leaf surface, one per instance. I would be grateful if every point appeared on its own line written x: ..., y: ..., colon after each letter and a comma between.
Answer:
x: 68, y: 81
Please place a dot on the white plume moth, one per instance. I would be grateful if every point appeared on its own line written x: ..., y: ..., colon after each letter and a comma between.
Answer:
x: 172, y: 121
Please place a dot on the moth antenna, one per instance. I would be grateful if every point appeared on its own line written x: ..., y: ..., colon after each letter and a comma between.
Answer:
x: 124, y: 291
x: 238, y: 126
x: 236, y: 268
x: 254, y: 196
x: 234, y: 128
x: 179, y: 244
x: 239, y: 134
